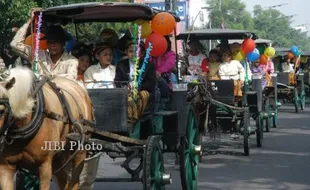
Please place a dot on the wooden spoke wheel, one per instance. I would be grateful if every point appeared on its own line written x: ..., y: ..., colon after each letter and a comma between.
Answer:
x: 296, y: 100
x: 246, y: 132
x: 259, y: 131
x: 190, y: 151
x: 153, y: 165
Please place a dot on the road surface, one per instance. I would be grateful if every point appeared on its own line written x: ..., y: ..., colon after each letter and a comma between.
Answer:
x: 283, y: 163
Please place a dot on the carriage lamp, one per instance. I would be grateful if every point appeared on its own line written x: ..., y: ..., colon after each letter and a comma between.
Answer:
x: 167, y: 179
x: 198, y: 150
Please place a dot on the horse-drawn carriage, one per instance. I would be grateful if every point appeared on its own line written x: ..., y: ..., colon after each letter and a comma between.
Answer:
x: 225, y: 111
x: 176, y: 130
x: 291, y: 85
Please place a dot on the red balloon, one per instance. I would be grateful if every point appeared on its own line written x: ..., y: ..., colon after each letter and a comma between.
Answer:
x: 159, y: 44
x: 263, y: 59
x: 248, y: 45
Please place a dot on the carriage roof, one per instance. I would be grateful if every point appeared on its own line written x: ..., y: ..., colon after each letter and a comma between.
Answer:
x: 99, y: 12
x: 282, y: 51
x: 257, y: 41
x: 217, y: 34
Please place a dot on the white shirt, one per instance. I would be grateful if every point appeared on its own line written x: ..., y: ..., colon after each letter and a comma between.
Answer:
x: 132, y: 68
x: 287, y: 67
x: 233, y: 70
x: 103, y: 77
x: 195, y: 62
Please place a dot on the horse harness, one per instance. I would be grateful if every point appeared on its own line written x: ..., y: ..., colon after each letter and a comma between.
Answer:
x: 9, y: 132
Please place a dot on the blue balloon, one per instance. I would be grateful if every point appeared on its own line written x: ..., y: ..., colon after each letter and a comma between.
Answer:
x: 254, y: 55
x: 71, y: 43
x: 295, y: 51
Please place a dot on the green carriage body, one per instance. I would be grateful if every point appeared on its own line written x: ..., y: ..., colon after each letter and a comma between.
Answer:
x: 176, y: 128
x: 288, y: 92
x: 253, y: 102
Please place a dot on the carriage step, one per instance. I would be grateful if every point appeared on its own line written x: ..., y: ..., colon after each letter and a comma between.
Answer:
x: 251, y: 92
x: 165, y: 113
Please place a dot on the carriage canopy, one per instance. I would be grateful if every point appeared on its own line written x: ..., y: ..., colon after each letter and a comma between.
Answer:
x: 99, y: 12
x: 216, y: 34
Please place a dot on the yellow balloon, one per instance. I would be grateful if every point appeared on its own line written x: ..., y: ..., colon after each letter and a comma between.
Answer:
x: 238, y: 55
x: 140, y: 21
x: 270, y: 52
x: 146, y: 30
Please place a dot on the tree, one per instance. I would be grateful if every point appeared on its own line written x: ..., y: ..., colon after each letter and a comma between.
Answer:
x: 231, y: 12
x: 272, y: 24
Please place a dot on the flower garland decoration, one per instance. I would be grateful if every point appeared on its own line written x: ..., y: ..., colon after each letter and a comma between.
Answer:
x: 145, y: 62
x: 36, y: 51
x: 136, y: 64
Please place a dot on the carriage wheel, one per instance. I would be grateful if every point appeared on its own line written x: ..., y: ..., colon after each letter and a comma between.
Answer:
x: 302, y: 100
x: 267, y: 110
x: 190, y: 150
x: 275, y: 119
x: 259, y: 132
x: 154, y: 177
x: 296, y: 101
x: 246, y: 132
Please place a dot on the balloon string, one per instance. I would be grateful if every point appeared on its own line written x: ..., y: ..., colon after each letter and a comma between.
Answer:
x: 145, y: 62
x: 36, y: 56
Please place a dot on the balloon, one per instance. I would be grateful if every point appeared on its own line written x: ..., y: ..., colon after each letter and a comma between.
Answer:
x: 295, y: 51
x: 290, y: 55
x: 71, y: 43
x: 238, y: 55
x: 42, y: 44
x: 270, y: 52
x: 163, y: 23
x: 248, y: 46
x: 140, y: 21
x: 263, y: 59
x: 159, y: 44
x: 146, y: 30
x: 253, y: 56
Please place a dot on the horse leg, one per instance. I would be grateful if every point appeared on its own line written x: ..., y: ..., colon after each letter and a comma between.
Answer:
x: 77, y: 167
x: 7, y: 177
x: 45, y: 174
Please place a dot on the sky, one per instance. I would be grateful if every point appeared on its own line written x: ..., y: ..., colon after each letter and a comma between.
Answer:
x: 300, y: 7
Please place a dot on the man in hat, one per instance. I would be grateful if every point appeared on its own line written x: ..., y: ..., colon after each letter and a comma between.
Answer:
x: 55, y: 61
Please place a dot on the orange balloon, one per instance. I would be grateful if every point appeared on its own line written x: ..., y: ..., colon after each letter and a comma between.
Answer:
x: 163, y: 23
x: 42, y: 43
x: 263, y: 59
x: 290, y: 55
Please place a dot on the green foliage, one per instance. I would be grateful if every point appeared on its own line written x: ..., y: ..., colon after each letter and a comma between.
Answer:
x: 232, y: 12
x: 13, y: 13
x: 266, y: 23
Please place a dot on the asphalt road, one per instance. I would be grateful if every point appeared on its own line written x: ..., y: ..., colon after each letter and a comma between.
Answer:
x: 283, y: 163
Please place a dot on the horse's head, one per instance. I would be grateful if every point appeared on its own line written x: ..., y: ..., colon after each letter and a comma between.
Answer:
x: 15, y: 102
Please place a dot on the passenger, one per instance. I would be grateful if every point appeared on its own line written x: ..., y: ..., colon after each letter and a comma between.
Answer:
x: 269, y: 67
x: 83, y: 53
x: 197, y: 60
x: 124, y: 72
x: 55, y: 61
x: 287, y: 67
x: 109, y: 36
x: 101, y: 75
x: 164, y: 65
x: 257, y: 69
x: 230, y: 69
x: 214, y: 64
